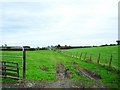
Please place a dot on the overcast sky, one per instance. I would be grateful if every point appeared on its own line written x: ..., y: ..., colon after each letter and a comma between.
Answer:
x: 65, y: 22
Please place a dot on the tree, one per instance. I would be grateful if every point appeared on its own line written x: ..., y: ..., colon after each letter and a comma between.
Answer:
x: 65, y: 45
x: 2, y: 46
x: 5, y: 45
x: 58, y: 46
x: 38, y: 48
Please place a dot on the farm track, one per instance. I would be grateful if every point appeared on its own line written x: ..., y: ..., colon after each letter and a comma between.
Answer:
x: 62, y: 81
x: 45, y: 84
x: 60, y: 75
x: 51, y: 84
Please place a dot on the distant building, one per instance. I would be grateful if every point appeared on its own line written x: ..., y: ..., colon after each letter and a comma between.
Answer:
x: 118, y: 42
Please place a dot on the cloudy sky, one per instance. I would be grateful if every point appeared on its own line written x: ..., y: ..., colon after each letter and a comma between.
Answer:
x: 65, y: 22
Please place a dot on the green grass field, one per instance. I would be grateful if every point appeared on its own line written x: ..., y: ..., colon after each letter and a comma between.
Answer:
x: 105, y: 53
x: 49, y: 58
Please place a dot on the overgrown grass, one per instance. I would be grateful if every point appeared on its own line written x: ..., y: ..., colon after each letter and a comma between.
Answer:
x: 48, y: 58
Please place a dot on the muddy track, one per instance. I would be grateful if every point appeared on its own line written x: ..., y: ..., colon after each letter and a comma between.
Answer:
x: 60, y: 75
x: 62, y: 72
x: 62, y: 79
x: 88, y: 73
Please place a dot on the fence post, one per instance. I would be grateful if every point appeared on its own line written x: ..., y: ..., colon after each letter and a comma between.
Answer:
x: 80, y: 55
x: 90, y: 57
x: 110, y: 60
x: 24, y: 63
x: 85, y: 55
x: 98, y: 59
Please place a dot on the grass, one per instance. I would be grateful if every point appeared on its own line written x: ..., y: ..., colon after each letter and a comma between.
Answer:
x: 105, y: 53
x: 49, y: 58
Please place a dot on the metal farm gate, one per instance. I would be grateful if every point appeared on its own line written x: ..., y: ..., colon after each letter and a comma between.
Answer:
x: 11, y: 69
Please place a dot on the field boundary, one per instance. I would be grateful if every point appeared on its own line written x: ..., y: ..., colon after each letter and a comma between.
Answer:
x: 83, y: 56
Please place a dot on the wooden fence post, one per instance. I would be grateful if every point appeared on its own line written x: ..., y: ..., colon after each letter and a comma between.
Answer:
x: 98, y: 59
x: 24, y: 63
x: 85, y: 55
x: 81, y: 55
x: 110, y: 60
x: 90, y: 57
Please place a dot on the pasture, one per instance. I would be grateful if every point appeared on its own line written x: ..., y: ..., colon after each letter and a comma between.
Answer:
x: 105, y: 54
x: 41, y: 64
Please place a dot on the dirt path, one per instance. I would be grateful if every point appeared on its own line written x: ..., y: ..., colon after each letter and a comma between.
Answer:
x: 46, y: 84
x: 60, y: 75
x: 88, y: 74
